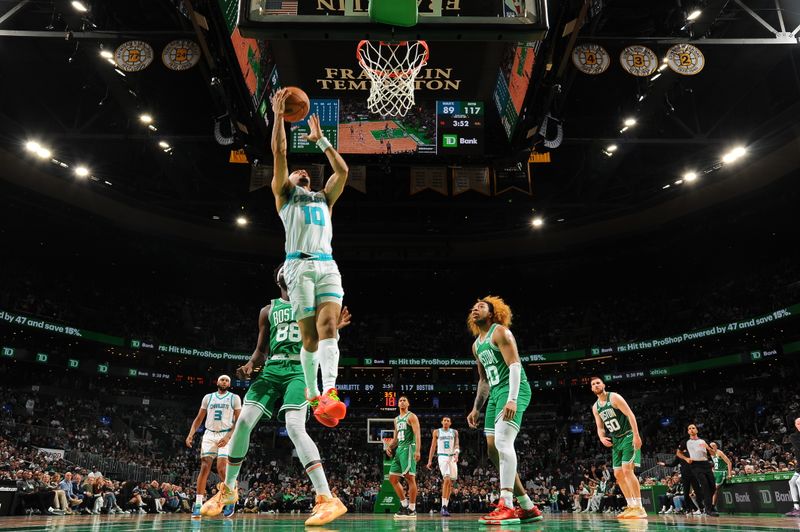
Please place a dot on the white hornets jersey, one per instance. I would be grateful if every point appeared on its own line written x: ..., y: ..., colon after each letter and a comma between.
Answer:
x: 446, y: 442
x: 307, y: 221
x: 220, y: 408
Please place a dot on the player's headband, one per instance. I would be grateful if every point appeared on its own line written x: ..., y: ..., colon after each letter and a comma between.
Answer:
x: 489, y: 304
x: 223, y: 377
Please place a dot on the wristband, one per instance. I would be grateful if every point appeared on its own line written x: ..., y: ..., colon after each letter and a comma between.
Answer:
x: 323, y: 144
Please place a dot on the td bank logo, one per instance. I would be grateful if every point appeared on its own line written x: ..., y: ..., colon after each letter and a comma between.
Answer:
x: 449, y: 141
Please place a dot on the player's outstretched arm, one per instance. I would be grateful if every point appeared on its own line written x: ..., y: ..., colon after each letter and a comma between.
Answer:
x: 619, y: 402
x: 335, y: 184
x: 280, y: 176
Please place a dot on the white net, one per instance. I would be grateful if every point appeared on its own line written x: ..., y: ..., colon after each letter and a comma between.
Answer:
x: 392, y: 69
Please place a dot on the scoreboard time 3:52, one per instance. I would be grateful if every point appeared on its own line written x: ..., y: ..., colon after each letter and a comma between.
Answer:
x: 459, y: 127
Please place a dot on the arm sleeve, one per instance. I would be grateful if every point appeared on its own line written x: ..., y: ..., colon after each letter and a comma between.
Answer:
x: 514, y: 378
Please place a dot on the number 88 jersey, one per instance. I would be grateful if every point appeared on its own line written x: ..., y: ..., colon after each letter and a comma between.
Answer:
x: 284, y: 333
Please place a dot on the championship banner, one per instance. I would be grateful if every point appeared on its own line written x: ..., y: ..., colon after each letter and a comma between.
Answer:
x: 432, y: 177
x: 260, y: 176
x: 516, y: 177
x: 357, y: 178
x: 471, y: 178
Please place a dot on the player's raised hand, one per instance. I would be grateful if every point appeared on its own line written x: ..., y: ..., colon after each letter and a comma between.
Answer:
x: 279, y: 101
x: 244, y: 372
x: 344, y: 318
x: 472, y: 419
x: 316, y: 131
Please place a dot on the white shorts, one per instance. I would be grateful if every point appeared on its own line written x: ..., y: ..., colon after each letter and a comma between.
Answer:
x: 311, y: 282
x: 209, y: 446
x: 448, y: 465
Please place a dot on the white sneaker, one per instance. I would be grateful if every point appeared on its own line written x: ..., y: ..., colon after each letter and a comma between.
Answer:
x: 669, y: 511
x: 697, y: 512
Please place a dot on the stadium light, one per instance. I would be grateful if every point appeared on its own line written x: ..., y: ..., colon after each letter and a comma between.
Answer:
x: 612, y: 148
x: 694, y: 15
x: 537, y: 222
x: 735, y: 154
x: 689, y: 177
x: 241, y: 221
x: 629, y: 122
x: 145, y: 118
x: 663, y: 66
x: 164, y: 144
x: 106, y: 54
x: 79, y: 6
x: 656, y: 76
x: 665, y: 187
x: 81, y: 171
x: 33, y: 146
x: 43, y: 153
x: 679, y: 181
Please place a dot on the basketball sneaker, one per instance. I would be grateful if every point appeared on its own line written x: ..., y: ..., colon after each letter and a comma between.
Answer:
x: 229, y: 510
x: 529, y: 516
x: 623, y: 514
x: 633, y: 513
x: 326, y: 510
x: 217, y: 503
x: 196, y: 510
x: 793, y: 513
x: 501, y: 515
x: 444, y: 512
x: 402, y: 513
x: 330, y: 405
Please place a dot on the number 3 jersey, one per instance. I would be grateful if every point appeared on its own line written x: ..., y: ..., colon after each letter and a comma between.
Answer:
x: 615, y: 421
x: 492, y: 361
x: 307, y: 221
x: 219, y: 415
x: 284, y: 333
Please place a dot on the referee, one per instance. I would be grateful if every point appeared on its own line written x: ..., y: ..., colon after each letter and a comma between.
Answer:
x: 699, y: 461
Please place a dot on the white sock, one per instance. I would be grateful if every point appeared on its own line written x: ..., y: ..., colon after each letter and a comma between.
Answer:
x: 307, y: 451
x: 412, y: 507
x: 198, y: 499
x: 329, y: 361
x: 629, y: 502
x: 404, y: 503
x: 310, y: 363
x: 508, y: 498
x: 444, y: 502
x: 525, y: 502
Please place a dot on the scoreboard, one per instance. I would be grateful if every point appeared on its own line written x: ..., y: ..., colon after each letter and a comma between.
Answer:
x: 460, y: 127
x: 328, y: 112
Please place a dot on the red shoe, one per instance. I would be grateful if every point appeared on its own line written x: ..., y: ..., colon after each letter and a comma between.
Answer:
x: 328, y: 421
x: 501, y: 515
x: 330, y: 406
x: 529, y: 516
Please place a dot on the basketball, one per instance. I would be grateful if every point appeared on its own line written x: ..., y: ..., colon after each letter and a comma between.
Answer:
x: 297, y: 105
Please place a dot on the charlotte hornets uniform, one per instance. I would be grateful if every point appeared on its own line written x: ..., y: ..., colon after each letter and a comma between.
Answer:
x: 445, y: 450
x: 219, y: 421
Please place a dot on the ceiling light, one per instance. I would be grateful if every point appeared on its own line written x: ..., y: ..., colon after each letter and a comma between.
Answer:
x: 120, y: 72
x: 630, y: 122
x: 107, y: 183
x: 537, y: 222
x: 693, y: 15
x: 663, y: 67
x: 624, y: 129
x: 656, y: 76
x: 163, y: 144
x: 612, y: 148
x: 33, y: 146
x: 146, y: 118
x: 241, y: 221
x: 151, y: 127
x: 665, y: 187
x: 665, y: 60
x: 81, y: 171
x: 733, y: 155
x: 106, y: 54
x: 689, y: 177
x: 560, y: 220
x: 79, y: 6
x: 679, y: 181
x: 44, y: 153
x: 111, y: 61
x: 641, y: 97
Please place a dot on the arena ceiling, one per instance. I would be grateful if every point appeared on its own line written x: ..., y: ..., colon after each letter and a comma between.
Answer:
x: 58, y: 89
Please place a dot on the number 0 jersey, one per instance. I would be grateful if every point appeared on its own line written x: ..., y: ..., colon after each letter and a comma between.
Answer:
x: 615, y: 421
x: 492, y: 360
x: 284, y: 333
x: 307, y: 221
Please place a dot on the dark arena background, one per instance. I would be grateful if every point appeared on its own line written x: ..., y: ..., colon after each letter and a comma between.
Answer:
x: 623, y: 173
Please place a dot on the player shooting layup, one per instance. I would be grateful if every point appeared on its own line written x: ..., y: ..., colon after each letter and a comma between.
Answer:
x: 313, y: 279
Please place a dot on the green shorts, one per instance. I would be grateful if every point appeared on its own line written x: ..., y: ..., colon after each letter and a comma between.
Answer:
x: 403, y: 462
x: 498, y: 397
x: 720, y: 477
x: 622, y: 452
x: 280, y: 379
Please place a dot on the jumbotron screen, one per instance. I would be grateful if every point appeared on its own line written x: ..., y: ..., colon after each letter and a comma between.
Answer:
x: 430, y: 127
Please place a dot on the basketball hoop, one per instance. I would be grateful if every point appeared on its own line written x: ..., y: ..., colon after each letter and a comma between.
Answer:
x: 392, y: 68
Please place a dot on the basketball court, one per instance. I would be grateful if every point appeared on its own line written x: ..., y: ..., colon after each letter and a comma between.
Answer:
x: 378, y: 523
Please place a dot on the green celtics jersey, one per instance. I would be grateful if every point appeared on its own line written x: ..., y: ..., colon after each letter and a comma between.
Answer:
x: 719, y: 464
x: 284, y: 333
x: 405, y: 434
x: 616, y: 422
x: 492, y: 360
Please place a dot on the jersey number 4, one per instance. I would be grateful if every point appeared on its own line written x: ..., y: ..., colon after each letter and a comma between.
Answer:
x: 313, y: 215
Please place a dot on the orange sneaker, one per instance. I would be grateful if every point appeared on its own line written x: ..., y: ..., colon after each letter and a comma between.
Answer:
x: 501, y: 515
x: 330, y: 405
x: 215, y: 504
x: 326, y: 510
